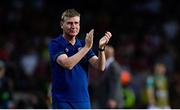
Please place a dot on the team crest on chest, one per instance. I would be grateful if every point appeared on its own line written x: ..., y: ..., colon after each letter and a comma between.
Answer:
x: 66, y: 50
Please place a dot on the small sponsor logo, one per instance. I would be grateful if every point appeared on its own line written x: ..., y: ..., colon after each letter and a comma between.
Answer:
x: 66, y: 50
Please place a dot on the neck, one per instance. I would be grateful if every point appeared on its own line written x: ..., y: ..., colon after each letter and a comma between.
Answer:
x: 70, y: 39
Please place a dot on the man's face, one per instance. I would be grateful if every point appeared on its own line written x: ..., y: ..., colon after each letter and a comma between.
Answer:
x: 160, y: 69
x: 71, y: 26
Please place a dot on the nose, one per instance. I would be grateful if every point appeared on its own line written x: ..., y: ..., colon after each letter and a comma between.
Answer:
x: 73, y: 25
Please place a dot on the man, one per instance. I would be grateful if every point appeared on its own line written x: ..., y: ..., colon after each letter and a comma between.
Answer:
x: 70, y: 57
x: 109, y: 89
x: 157, y: 88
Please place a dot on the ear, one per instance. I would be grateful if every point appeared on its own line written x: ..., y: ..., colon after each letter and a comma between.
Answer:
x: 61, y: 24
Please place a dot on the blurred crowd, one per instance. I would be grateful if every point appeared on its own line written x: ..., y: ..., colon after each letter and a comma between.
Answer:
x: 144, y: 33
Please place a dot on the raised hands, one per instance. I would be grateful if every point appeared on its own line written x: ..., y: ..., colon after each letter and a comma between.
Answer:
x: 104, y: 40
x: 89, y: 39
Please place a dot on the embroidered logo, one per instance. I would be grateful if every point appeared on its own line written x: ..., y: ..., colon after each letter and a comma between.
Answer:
x: 66, y: 50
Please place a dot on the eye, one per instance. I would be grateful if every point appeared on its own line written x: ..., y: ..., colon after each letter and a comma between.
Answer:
x: 69, y: 23
x: 76, y: 22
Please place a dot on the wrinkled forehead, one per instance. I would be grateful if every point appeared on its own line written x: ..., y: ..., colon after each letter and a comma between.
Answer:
x: 75, y: 18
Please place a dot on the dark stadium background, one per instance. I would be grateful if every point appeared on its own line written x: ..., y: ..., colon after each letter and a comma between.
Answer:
x: 144, y: 31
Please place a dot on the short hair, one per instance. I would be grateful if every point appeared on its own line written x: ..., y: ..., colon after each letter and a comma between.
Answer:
x: 69, y: 13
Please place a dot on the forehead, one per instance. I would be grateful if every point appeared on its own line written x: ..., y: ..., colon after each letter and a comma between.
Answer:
x: 72, y: 19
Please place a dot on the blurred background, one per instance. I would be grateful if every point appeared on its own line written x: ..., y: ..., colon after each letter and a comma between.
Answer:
x: 144, y: 32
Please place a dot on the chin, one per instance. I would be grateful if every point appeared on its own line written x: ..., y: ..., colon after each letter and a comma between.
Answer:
x: 74, y: 34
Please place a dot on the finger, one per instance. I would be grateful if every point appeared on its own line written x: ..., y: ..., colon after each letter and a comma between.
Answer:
x: 92, y: 31
x: 109, y: 33
x: 107, y: 39
x: 87, y: 34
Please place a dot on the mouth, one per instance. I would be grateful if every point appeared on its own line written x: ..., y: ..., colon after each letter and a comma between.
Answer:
x: 73, y: 31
